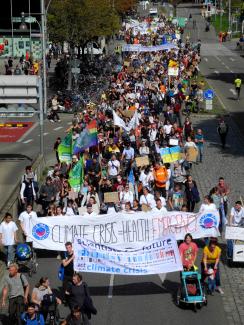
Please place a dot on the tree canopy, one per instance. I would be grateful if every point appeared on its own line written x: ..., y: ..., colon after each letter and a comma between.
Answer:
x: 79, y: 21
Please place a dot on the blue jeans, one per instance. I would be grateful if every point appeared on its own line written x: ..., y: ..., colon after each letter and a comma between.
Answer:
x: 230, y: 243
x: 9, y: 251
x: 200, y: 153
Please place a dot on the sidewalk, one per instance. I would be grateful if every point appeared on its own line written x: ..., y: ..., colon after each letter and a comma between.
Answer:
x: 228, y: 164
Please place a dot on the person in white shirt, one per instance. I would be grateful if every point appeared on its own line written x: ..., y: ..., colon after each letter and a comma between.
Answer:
x: 153, y: 133
x: 144, y: 150
x: 207, y: 205
x: 159, y: 207
x: 126, y: 195
x: 190, y: 144
x: 236, y: 217
x: 8, y: 237
x: 89, y: 211
x: 157, y: 196
x: 167, y: 127
x: 113, y: 167
x: 26, y: 218
x: 147, y: 199
x: 146, y: 177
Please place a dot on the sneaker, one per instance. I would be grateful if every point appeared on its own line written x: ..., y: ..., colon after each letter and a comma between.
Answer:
x: 52, y: 121
x: 59, y: 121
x: 220, y: 290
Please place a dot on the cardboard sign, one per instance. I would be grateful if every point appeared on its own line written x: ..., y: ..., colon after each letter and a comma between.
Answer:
x: 111, y: 197
x: 142, y: 161
x: 128, y: 113
x: 191, y: 154
x: 145, y: 208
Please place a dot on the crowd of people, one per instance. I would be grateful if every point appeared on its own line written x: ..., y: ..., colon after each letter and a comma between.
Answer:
x: 141, y: 86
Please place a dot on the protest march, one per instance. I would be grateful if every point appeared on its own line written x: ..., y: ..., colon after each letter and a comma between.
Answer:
x: 121, y: 198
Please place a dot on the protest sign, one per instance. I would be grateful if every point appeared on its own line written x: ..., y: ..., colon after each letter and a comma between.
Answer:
x: 173, y: 142
x: 110, y: 197
x: 159, y: 256
x: 238, y: 252
x: 173, y: 71
x: 191, y: 154
x: 142, y: 161
x: 110, y: 229
x: 234, y: 233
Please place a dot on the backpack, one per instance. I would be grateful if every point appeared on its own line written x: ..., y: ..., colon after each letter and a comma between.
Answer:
x: 61, y: 270
x: 222, y: 128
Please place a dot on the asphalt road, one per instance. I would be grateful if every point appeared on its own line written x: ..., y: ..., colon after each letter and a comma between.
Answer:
x: 15, y: 156
x: 220, y: 63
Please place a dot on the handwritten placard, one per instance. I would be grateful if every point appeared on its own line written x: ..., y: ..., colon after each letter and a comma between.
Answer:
x: 142, y: 161
x: 234, y: 233
x: 111, y: 197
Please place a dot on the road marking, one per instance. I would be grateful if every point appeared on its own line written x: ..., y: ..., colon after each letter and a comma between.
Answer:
x: 27, y: 141
x: 28, y: 132
x: 216, y: 71
x: 58, y: 128
x: 110, y: 288
x: 206, y: 59
x: 162, y: 276
x: 218, y: 59
x: 233, y: 91
x: 45, y: 133
x: 231, y: 71
x: 231, y: 59
x: 69, y: 123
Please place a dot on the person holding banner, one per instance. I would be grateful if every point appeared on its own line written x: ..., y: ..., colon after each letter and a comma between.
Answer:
x: 68, y: 266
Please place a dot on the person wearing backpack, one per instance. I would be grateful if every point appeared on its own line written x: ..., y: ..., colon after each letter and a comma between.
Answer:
x: 222, y: 130
x: 16, y: 287
x: 31, y: 316
x: 66, y: 270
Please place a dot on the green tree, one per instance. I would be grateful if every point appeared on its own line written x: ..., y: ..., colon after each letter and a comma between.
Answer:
x: 80, y: 21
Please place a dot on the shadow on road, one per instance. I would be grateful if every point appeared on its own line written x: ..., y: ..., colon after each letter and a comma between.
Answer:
x: 227, y: 77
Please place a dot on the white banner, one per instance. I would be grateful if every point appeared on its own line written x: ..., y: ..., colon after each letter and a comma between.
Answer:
x: 159, y: 256
x: 121, y: 228
x: 141, y: 48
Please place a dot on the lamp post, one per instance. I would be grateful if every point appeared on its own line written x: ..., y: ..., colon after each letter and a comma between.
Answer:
x: 230, y: 27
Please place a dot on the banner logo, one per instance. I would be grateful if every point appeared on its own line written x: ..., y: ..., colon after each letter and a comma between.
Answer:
x: 40, y: 231
x: 208, y: 221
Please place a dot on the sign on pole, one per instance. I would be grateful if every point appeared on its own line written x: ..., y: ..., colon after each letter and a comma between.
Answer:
x: 208, y: 94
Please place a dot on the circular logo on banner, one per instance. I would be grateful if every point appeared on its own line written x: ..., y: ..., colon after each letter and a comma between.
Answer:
x: 208, y: 221
x: 40, y: 231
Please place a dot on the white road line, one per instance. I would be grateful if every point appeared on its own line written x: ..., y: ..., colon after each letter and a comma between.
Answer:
x: 110, y: 288
x: 45, y: 133
x: 216, y: 71
x: 28, y: 132
x: 231, y: 71
x: 162, y: 276
x: 58, y: 128
x: 218, y: 59
x: 69, y: 123
x: 206, y: 59
x: 231, y: 59
x: 27, y: 141
x: 233, y: 91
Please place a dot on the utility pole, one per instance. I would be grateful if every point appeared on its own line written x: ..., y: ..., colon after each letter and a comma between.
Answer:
x: 229, y: 28
x: 220, y: 18
x: 44, y: 66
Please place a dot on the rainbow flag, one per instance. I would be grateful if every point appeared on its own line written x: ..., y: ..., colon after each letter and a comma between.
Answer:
x: 87, y: 138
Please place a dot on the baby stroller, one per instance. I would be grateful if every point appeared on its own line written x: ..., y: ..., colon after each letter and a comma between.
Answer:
x: 26, y: 257
x: 191, y: 291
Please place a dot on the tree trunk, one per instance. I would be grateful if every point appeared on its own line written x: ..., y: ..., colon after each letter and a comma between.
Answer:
x: 70, y: 68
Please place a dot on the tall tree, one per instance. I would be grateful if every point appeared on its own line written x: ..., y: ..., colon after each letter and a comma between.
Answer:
x: 80, y: 21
